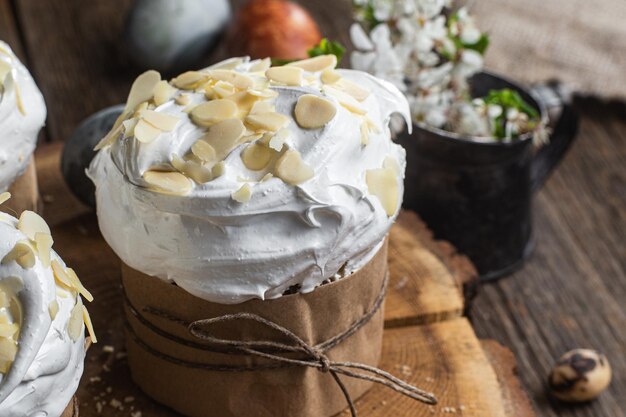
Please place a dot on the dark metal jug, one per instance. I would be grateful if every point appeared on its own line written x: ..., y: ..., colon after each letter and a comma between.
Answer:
x: 478, y: 195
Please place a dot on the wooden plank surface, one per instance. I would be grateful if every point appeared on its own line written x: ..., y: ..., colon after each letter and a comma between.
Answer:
x: 571, y: 293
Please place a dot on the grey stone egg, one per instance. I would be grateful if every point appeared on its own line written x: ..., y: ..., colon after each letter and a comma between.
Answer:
x: 78, y: 152
x: 172, y: 35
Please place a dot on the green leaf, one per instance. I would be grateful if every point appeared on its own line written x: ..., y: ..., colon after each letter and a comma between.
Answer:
x: 511, y: 99
x: 327, y: 47
x: 366, y: 14
x: 480, y: 46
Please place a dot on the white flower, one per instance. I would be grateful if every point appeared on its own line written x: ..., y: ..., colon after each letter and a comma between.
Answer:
x: 428, y: 9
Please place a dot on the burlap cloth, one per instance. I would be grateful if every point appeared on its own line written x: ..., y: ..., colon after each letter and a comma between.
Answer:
x: 581, y: 43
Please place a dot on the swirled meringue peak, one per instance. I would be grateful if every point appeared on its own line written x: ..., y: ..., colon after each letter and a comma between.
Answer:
x: 41, y: 320
x: 22, y: 115
x: 244, y: 181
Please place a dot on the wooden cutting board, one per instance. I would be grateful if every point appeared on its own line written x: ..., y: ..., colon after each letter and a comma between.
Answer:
x: 427, y: 341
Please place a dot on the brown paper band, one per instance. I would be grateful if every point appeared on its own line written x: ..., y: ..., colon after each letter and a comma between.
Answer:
x: 311, y: 356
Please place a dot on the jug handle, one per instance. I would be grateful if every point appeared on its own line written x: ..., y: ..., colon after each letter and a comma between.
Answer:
x: 563, y: 133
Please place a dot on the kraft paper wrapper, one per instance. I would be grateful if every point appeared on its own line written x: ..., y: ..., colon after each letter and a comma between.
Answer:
x: 72, y: 409
x: 287, y: 392
x: 24, y: 192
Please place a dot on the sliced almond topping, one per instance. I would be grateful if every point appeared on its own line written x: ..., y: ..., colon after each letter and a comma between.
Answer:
x: 277, y: 141
x: 221, y: 89
x: 110, y: 138
x: 285, y: 75
x: 162, y: 121
x: 211, y: 112
x: 190, y: 80
x: 163, y: 92
x: 365, y: 134
x: 383, y: 183
x: 267, y: 177
x: 182, y: 100
x: 8, y: 350
x: 4, y: 197
x: 89, y: 325
x: 18, y: 100
x: 168, y: 182
x: 264, y: 93
x: 392, y: 163
x: 219, y: 169
x: 243, y: 100
x: 229, y: 63
x: 353, y: 89
x: 239, y: 80
x: 345, y: 99
x: 313, y: 112
x: 316, y: 64
x: 262, y: 106
x: 141, y: 90
x: 145, y: 132
x: 129, y: 127
x: 78, y: 285
x: 225, y: 135
x: 291, y: 169
x: 271, y: 122
x: 204, y: 151
x: 8, y: 329
x: 5, y: 301
x: 61, y: 276
x: 43, y: 243
x: 193, y: 170
x: 330, y: 76
x: 261, y: 65
x: 22, y: 253
x: 256, y: 157
x: 75, y: 323
x: 53, y: 309
x: 243, y: 194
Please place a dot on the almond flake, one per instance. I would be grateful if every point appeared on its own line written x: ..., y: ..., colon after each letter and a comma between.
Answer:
x: 264, y: 93
x: 193, y: 170
x: 330, y: 76
x: 353, y: 89
x: 222, y: 89
x: 277, y: 141
x: 392, y: 163
x: 243, y: 194
x: 129, y: 127
x: 190, y: 80
x: 267, y: 177
x: 313, y: 112
x: 212, y: 112
x: 271, y: 122
x: 383, y: 183
x: 162, y: 121
x: 4, y: 197
x: 145, y: 132
x: 256, y: 157
x: 18, y: 100
x: 43, y: 243
x: 110, y: 138
x: 345, y: 99
x: 22, y: 253
x: 31, y: 223
x: 219, y: 169
x: 53, y: 309
x: 8, y: 330
x: 316, y: 64
x: 163, y: 92
x: 61, y: 276
x: 75, y: 323
x: 224, y: 136
x: 229, y: 63
x: 243, y: 100
x: 365, y: 134
x: 239, y: 80
x: 168, y: 182
x: 5, y: 301
x: 260, y: 65
x: 285, y: 75
x: 78, y: 285
x: 291, y: 169
x: 141, y: 90
x: 262, y: 106
x: 204, y: 151
x: 89, y: 325
x: 182, y: 100
x: 8, y: 350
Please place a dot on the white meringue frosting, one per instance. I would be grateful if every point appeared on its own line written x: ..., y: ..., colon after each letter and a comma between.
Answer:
x: 41, y: 322
x: 22, y: 115
x: 300, y: 185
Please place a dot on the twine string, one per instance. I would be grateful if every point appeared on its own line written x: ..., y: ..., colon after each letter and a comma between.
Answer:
x: 311, y: 356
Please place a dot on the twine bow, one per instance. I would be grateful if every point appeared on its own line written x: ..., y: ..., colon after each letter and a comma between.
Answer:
x: 311, y: 356
x: 315, y: 357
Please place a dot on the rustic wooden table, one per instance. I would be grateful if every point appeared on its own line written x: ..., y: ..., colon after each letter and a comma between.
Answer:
x: 570, y: 294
